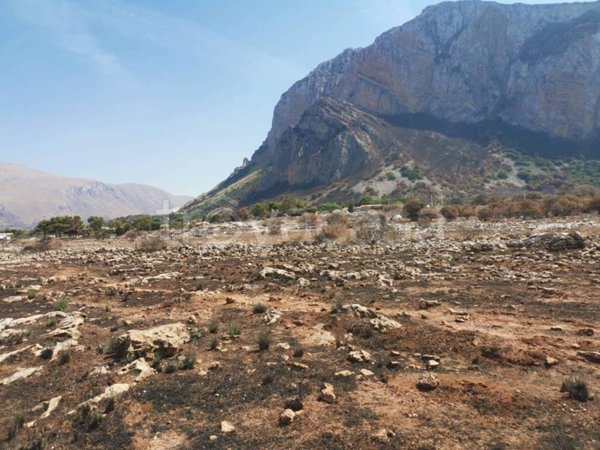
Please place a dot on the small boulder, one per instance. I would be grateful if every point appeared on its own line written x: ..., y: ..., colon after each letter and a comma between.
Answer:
x: 165, y: 339
x: 428, y: 382
x: 327, y: 395
x: 358, y: 356
x: 286, y: 417
x: 227, y: 427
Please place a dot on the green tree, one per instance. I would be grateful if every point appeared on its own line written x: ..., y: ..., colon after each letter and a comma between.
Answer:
x: 96, y: 223
x: 176, y: 221
x: 61, y: 225
x: 260, y: 210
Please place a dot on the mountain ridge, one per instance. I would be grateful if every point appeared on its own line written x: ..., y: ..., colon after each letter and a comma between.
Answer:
x: 520, y: 76
x: 29, y: 195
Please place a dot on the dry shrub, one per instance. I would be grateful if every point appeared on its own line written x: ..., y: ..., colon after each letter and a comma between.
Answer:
x: 563, y: 206
x: 275, y: 227
x: 308, y: 220
x: 372, y: 228
x: 527, y: 209
x: 484, y: 213
x: 466, y: 211
x: 43, y: 245
x: 132, y: 235
x: 449, y: 212
x: 242, y: 214
x: 151, y: 244
x: 429, y: 213
x: 337, y: 227
x: 593, y: 205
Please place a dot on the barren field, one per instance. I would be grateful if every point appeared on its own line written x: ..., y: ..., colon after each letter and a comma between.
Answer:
x: 235, y: 337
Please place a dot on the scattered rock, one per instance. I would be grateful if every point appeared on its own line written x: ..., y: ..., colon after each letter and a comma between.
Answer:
x: 550, y: 361
x: 286, y: 417
x: 272, y: 316
x: 277, y: 273
x: 227, y: 427
x: 19, y: 375
x: 593, y: 357
x: 428, y: 382
x: 359, y: 356
x: 139, y: 368
x: 585, y: 332
x: 366, y: 373
x: 428, y: 304
x: 165, y: 339
x: 327, y: 394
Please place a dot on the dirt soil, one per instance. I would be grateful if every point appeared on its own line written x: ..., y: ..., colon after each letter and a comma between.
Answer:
x: 498, y: 321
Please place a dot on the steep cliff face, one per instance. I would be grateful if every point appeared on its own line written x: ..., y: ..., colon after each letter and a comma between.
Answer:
x: 533, y: 66
x: 525, y: 76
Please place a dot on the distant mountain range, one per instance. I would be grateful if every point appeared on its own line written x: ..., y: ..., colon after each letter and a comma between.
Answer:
x: 469, y: 97
x: 28, y: 196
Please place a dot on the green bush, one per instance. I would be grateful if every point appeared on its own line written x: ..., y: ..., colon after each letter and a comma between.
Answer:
x: 411, y: 174
x: 577, y: 388
x: 62, y: 304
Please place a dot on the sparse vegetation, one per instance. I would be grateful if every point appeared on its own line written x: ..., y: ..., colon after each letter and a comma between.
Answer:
x: 235, y: 329
x: 577, y: 388
x: 64, y: 357
x: 411, y: 173
x: 264, y: 341
x: 214, y: 343
x: 171, y: 367
x: 259, y: 308
x: 88, y: 417
x: 43, y: 245
x: 46, y: 353
x: 412, y: 209
x: 62, y: 304
x: 152, y: 244
x: 16, y: 423
x: 337, y: 227
x: 189, y: 361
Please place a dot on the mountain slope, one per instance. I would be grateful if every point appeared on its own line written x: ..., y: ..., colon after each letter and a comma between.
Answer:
x: 28, y: 195
x: 487, y: 74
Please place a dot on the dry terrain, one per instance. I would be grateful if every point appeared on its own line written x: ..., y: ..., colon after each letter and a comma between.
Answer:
x: 258, y: 336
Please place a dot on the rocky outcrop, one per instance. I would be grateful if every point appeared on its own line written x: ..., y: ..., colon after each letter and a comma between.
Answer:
x: 531, y: 66
x: 438, y: 93
x: 165, y: 340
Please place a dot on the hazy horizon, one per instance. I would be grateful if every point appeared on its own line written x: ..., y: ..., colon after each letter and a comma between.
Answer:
x: 172, y: 95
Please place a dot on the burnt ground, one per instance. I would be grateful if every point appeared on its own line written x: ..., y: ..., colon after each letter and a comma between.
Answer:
x: 506, y: 324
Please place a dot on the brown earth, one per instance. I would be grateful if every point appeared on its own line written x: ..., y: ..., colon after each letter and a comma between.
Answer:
x: 506, y: 322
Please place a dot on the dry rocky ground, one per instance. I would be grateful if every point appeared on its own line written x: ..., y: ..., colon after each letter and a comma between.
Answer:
x: 452, y: 337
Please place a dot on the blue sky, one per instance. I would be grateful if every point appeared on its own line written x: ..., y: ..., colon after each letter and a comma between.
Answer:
x: 169, y: 93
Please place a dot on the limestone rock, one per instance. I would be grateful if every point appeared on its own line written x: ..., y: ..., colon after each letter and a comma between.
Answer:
x: 227, y: 427
x: 287, y: 417
x: 327, y: 394
x: 165, y: 339
x: 428, y: 382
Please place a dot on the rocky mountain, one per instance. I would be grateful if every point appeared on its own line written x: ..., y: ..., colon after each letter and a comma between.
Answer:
x: 440, y: 96
x: 28, y: 195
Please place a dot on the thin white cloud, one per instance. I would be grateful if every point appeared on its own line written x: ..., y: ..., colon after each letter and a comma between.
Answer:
x: 69, y: 31
x: 74, y: 27
x: 181, y: 35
